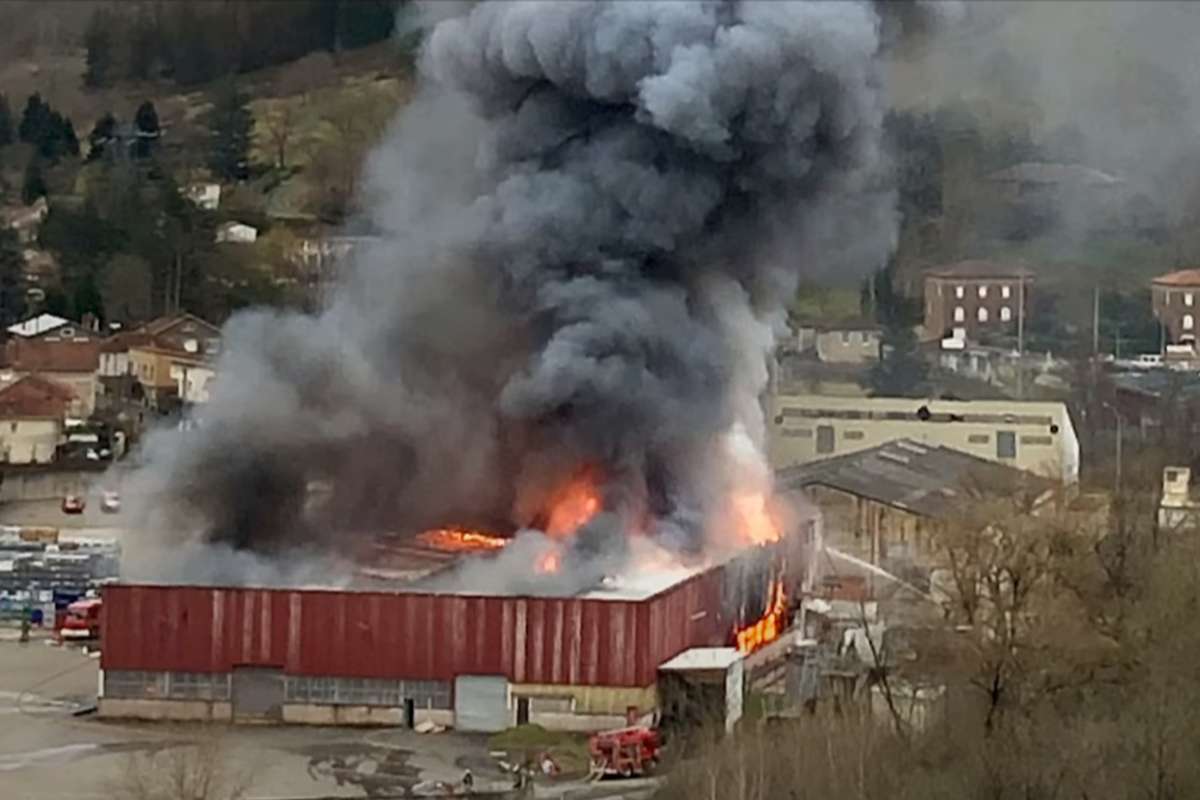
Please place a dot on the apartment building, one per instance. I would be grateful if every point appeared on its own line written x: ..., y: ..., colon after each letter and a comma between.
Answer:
x: 1033, y: 436
x: 967, y: 299
x: 1175, y: 298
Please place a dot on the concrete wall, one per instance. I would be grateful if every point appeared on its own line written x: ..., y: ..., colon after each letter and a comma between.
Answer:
x: 158, y: 710
x: 16, y: 485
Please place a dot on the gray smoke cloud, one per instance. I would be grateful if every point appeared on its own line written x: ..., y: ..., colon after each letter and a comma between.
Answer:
x: 594, y: 214
x: 1109, y: 84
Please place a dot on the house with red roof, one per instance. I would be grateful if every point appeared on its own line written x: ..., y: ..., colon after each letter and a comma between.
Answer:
x: 33, y: 413
x: 1175, y: 298
x: 69, y: 363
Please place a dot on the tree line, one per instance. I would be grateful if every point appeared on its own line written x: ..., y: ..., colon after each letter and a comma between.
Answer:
x: 193, y: 41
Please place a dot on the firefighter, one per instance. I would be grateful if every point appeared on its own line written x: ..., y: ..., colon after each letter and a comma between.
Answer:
x: 468, y: 781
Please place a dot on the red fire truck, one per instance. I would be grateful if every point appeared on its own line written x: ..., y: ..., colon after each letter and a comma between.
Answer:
x: 625, y: 752
x: 82, y: 622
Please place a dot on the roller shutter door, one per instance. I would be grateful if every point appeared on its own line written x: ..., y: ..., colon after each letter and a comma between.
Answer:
x: 481, y: 703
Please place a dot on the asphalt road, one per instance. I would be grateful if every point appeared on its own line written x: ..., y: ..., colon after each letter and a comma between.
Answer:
x: 49, y: 513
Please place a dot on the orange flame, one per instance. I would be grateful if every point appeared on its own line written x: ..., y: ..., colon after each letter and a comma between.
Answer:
x: 767, y: 628
x: 548, y: 563
x: 754, y: 519
x: 460, y: 540
x: 573, y: 506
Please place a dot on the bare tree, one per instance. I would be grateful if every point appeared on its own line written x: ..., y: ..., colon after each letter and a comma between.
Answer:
x: 196, y: 770
x: 278, y: 122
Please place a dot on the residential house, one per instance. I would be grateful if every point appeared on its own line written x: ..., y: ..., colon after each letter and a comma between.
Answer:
x: 167, y: 360
x: 72, y: 364
x: 192, y: 382
x: 237, y: 233
x: 206, y: 196
x: 37, y: 326
x: 1036, y: 437
x: 32, y: 415
x: 973, y: 298
x: 25, y: 220
x: 184, y: 332
x: 114, y: 352
x: 52, y: 328
x: 1175, y: 299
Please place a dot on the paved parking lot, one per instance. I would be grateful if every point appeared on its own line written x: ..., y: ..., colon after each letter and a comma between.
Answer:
x: 46, y: 753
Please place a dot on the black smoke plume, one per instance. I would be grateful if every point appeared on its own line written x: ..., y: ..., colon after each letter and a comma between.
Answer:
x: 594, y: 215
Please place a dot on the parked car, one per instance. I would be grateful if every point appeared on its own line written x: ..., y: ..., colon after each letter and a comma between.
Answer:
x: 110, y: 503
x: 73, y: 504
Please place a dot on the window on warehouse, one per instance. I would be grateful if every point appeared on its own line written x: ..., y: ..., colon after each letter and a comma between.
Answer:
x: 366, y: 692
x: 135, y: 684
x: 198, y: 686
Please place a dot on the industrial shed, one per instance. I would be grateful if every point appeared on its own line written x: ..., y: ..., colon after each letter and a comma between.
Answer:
x: 399, y: 658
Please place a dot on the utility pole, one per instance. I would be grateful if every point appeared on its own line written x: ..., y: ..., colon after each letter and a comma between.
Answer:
x: 1021, y: 334
x: 1096, y: 321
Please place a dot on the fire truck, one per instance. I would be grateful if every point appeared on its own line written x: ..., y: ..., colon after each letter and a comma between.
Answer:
x: 82, y: 622
x: 624, y: 752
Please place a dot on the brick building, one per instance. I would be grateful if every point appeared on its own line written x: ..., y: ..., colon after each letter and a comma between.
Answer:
x: 968, y: 298
x: 1176, y: 298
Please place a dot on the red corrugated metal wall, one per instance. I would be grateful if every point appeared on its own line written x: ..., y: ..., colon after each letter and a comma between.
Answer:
x: 412, y: 636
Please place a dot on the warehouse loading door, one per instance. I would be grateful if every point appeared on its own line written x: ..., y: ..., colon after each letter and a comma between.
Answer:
x: 257, y: 693
x: 481, y: 703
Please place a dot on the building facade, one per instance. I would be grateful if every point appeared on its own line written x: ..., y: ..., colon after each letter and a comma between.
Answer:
x: 967, y: 299
x: 1038, y: 437
x: 1175, y: 298
x: 32, y: 416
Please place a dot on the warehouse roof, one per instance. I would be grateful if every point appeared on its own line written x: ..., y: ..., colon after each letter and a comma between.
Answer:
x: 912, y: 476
x: 701, y: 658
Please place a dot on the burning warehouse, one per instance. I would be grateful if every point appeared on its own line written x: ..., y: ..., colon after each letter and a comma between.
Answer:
x: 474, y: 661
x: 592, y: 226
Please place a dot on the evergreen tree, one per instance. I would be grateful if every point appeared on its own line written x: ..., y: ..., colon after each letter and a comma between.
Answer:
x: 901, y: 370
x: 103, y: 134
x: 144, y: 41
x: 147, y: 130
x: 7, y: 135
x: 12, y: 278
x: 87, y: 298
x: 34, y: 120
x: 34, y: 185
x: 68, y: 141
x: 230, y: 124
x: 57, y: 138
x: 99, y: 40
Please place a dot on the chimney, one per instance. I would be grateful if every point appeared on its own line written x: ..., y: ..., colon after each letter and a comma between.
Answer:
x: 1176, y: 484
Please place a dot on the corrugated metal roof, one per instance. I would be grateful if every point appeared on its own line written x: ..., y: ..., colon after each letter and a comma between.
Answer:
x: 701, y: 658
x: 916, y: 477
